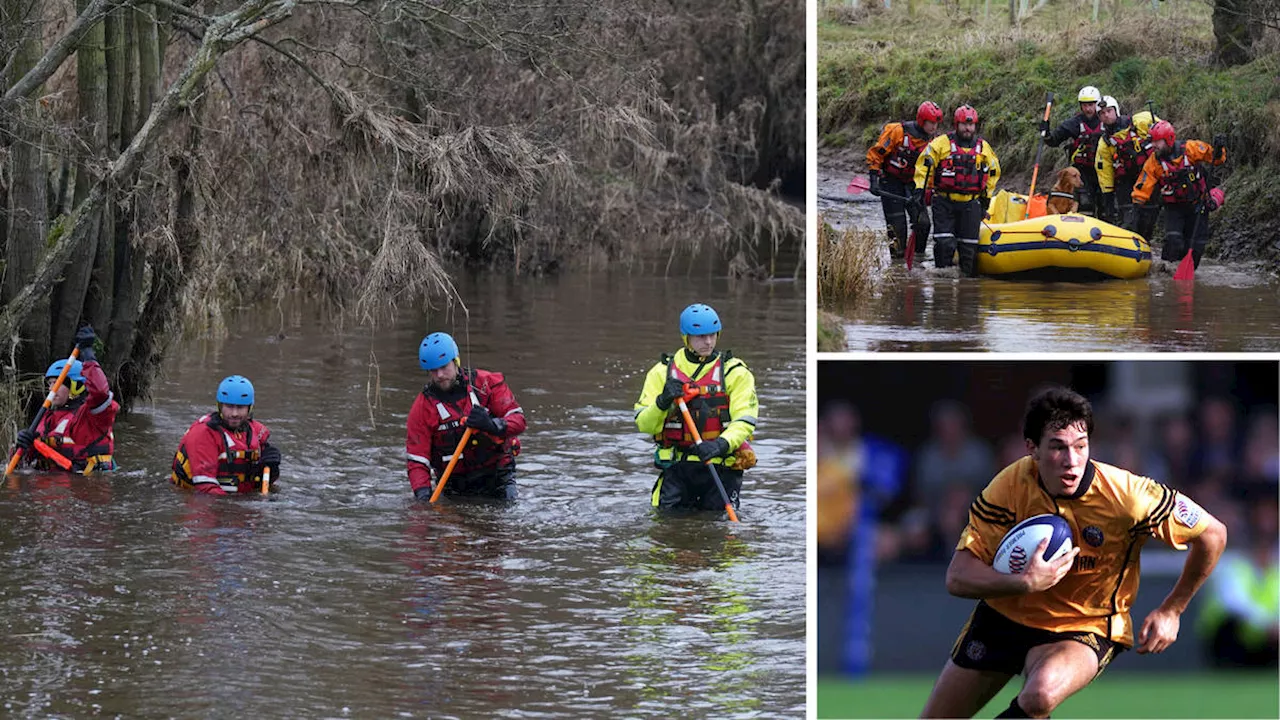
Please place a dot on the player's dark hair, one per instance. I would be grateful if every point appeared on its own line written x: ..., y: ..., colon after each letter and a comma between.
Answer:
x: 1053, y: 409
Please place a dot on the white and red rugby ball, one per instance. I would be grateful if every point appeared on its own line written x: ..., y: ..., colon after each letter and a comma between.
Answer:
x: 1014, y: 554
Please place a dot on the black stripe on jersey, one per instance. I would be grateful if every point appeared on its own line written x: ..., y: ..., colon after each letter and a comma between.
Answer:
x: 1115, y: 594
x: 986, y: 516
x: 1163, y: 509
x: 1005, y: 515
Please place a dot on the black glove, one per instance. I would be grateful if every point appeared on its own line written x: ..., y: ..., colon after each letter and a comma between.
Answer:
x: 875, y: 184
x: 672, y: 390
x: 481, y: 420
x: 270, y: 458
x: 708, y: 449
x: 85, y: 338
x: 25, y: 438
x: 1044, y: 129
x: 1219, y: 142
x: 423, y: 493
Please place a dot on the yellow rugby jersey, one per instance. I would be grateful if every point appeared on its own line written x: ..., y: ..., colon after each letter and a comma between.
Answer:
x: 1111, y: 515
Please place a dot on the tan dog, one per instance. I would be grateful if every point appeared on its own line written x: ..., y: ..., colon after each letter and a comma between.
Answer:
x: 1062, y: 199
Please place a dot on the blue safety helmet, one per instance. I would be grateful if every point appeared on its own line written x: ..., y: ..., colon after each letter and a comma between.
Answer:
x: 75, y: 374
x: 235, y: 390
x: 699, y: 319
x: 437, y: 350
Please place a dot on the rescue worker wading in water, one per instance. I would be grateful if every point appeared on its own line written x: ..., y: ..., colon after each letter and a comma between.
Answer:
x: 725, y: 412
x: 78, y: 425
x: 225, y: 451
x: 455, y: 399
x: 1084, y: 130
x: 1123, y: 151
x: 962, y: 170
x: 893, y: 169
x: 1176, y: 171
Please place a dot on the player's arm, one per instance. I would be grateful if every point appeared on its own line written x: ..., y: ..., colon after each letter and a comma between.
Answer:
x: 1205, y: 550
x: 1181, y: 524
x: 969, y: 577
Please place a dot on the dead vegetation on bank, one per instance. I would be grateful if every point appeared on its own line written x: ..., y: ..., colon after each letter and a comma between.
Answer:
x: 851, y: 264
x: 353, y: 154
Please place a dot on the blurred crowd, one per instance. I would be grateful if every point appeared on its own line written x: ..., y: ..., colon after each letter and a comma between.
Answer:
x: 1224, y: 459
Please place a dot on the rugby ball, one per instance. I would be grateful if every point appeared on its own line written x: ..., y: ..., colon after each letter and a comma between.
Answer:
x: 1014, y: 554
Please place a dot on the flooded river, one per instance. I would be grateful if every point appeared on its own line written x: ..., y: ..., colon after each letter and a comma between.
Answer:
x: 1228, y: 308
x: 342, y: 597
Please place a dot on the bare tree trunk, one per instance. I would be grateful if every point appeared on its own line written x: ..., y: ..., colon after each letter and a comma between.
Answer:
x: 169, y: 272
x: 148, y: 60
x: 101, y: 297
x: 69, y: 299
x: 25, y: 223
x: 130, y: 267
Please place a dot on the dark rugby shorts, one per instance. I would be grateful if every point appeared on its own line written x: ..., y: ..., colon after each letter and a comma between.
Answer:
x: 990, y: 641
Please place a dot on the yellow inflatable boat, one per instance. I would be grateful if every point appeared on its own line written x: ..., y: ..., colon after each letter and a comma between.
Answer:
x: 1069, y: 248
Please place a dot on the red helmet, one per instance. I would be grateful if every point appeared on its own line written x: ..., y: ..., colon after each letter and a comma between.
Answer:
x: 965, y: 113
x: 928, y: 111
x: 1163, y: 130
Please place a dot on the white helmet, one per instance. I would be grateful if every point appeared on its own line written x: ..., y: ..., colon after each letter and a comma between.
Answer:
x: 1110, y: 102
x: 1089, y: 94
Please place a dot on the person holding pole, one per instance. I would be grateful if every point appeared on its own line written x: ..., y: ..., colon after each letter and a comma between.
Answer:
x: 75, y: 429
x: 892, y: 163
x: 463, y: 428
x: 228, y: 452
x: 699, y: 405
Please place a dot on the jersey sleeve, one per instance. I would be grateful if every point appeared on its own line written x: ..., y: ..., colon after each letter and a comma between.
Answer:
x: 990, y: 517
x: 1165, y: 513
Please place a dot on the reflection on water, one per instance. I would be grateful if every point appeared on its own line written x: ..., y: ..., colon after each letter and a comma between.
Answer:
x: 1227, y: 308
x: 341, y: 597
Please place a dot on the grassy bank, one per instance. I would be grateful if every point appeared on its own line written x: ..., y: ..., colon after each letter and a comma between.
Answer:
x: 876, y: 66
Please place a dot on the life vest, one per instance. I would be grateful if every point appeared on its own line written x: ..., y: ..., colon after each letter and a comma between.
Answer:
x: 901, y: 162
x: 483, y: 453
x: 1182, y: 181
x: 710, y: 410
x: 1128, y: 154
x: 959, y: 172
x: 1084, y: 146
x: 238, y: 457
x: 58, y: 430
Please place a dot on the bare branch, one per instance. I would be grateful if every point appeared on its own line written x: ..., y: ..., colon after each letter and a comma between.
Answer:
x: 223, y: 34
x: 57, y: 53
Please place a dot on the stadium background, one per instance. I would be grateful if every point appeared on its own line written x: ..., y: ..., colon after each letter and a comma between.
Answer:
x: 931, y: 434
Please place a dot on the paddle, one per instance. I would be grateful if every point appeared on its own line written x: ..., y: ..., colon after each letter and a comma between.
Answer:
x: 266, y: 479
x: 691, y: 392
x: 54, y: 456
x: 1035, y: 171
x: 48, y: 402
x: 448, y: 470
x: 858, y: 184
x: 1187, y: 268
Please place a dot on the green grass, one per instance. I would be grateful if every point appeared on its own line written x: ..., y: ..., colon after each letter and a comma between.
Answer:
x: 1192, y: 695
